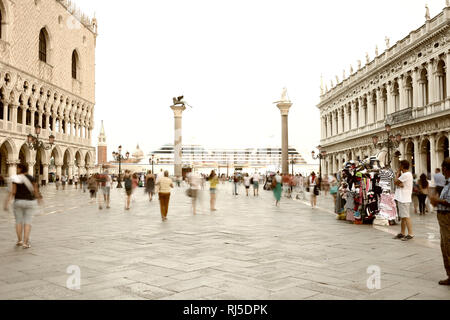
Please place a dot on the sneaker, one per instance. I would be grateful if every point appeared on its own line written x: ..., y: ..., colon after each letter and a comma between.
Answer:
x: 445, y: 282
x: 399, y: 236
x: 408, y: 237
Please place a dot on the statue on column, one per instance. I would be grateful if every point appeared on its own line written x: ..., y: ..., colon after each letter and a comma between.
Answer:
x: 351, y: 69
x: 367, y: 58
x: 427, y: 13
x: 179, y: 101
x: 337, y: 80
x: 284, y: 95
x: 359, y: 64
x: 387, y: 40
x: 343, y: 74
x: 376, y: 50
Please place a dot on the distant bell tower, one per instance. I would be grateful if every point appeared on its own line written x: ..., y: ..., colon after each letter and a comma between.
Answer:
x: 102, y: 152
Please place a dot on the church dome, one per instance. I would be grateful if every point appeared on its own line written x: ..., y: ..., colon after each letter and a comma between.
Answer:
x: 138, y: 153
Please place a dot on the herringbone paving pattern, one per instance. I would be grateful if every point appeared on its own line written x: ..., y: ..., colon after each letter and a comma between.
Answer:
x: 248, y: 249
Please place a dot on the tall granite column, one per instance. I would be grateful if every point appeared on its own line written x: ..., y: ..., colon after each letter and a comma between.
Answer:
x: 178, y: 165
x: 284, y: 107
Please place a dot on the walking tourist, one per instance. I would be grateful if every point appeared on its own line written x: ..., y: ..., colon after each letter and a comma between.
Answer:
x: 93, y: 187
x: 75, y: 181
x: 104, y: 181
x: 439, y: 181
x: 256, y: 177
x: 84, y: 182
x: 57, y: 182
x: 24, y: 192
x: 150, y: 184
x: 127, y: 179
x: 135, y: 184
x: 63, y: 181
x: 213, y: 181
x: 276, y: 185
x: 403, y: 196
x: 246, y: 183
x: 235, y: 183
x: 165, y: 184
x: 423, y: 192
x: 195, y: 183
x: 334, y: 187
x: 443, y: 215
x: 313, y: 189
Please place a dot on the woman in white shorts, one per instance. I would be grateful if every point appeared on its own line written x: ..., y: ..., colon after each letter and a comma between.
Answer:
x: 25, y: 193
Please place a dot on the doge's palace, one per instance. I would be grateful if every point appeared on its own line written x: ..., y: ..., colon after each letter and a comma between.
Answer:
x: 47, y: 78
x: 407, y: 86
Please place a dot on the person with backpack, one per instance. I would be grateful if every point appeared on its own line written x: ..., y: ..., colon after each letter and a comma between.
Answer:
x: 128, y: 188
x: 26, y: 196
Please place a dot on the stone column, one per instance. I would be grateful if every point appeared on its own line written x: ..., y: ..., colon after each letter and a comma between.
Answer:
x: 447, y: 73
x: 339, y: 117
x: 44, y: 173
x: 380, y: 110
x: 14, y: 116
x: 24, y: 116
x: 31, y: 165
x: 361, y: 112
x: 12, y: 167
x: 47, y: 121
x: 284, y: 110
x: 40, y: 118
x: 177, y: 151
x: 70, y: 175
x: 5, y: 110
x: 58, y: 169
x: 330, y: 125
x: 322, y: 127
x: 415, y: 88
x: 417, y: 156
x: 390, y: 98
x: 433, y: 153
x: 401, y: 148
x: 431, y: 82
x: 54, y: 115
x: 401, y: 92
x: 370, y: 108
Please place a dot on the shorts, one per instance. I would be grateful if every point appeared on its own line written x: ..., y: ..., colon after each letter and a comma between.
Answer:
x: 106, y: 190
x: 247, y: 187
x: 24, y: 211
x: 212, y: 190
x: 403, y: 209
x: 256, y: 185
x: 129, y: 192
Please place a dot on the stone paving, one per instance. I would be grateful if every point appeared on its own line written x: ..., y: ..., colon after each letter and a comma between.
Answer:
x: 248, y: 249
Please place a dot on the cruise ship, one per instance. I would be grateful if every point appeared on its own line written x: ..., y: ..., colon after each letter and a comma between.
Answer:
x: 246, y: 158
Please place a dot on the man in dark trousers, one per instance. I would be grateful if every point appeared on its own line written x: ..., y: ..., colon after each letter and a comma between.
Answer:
x: 443, y: 215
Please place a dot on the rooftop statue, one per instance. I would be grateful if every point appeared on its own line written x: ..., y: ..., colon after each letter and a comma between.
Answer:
x: 386, y: 40
x: 179, y: 101
x: 427, y: 12
x: 284, y: 95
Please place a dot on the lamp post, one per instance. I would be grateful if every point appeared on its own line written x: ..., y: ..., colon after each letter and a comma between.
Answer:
x: 320, y: 156
x: 34, y: 143
x: 119, y: 157
x: 292, y: 164
x: 152, y: 161
x: 390, y: 142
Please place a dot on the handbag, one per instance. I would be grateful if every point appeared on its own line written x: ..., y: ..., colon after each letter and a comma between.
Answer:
x: 189, y: 192
x: 316, y: 190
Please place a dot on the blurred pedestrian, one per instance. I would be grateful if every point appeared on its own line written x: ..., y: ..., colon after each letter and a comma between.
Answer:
x: 57, y: 182
x: 165, y: 184
x: 128, y: 188
x: 213, y: 181
x: 313, y: 189
x: 246, y: 183
x: 75, y: 181
x: 26, y: 196
x: 276, y: 185
x: 235, y: 184
x: 63, y: 181
x: 195, y: 182
x: 423, y: 193
x: 256, y: 179
x: 93, y: 187
x: 150, y: 184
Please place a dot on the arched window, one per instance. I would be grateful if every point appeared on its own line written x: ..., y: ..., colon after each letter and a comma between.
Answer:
x: 42, y: 46
x: 75, y: 65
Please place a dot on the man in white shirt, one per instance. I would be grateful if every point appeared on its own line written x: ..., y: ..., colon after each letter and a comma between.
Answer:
x: 255, y: 184
x: 403, y: 196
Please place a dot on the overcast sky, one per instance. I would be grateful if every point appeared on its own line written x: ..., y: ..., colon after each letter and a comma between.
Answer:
x: 231, y: 59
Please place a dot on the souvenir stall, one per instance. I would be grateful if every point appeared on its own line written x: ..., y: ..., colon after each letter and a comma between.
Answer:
x: 367, y: 193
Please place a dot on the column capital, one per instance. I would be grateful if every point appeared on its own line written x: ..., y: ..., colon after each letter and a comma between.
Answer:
x: 284, y: 107
x: 178, y: 110
x: 12, y: 162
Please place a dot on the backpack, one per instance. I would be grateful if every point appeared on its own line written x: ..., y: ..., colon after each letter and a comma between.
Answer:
x: 274, y: 182
x: 128, y: 184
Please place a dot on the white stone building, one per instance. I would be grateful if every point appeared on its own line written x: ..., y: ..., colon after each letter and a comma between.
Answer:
x: 408, y: 85
x: 47, y: 78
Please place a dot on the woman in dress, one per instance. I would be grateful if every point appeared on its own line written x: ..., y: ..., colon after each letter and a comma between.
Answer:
x: 277, y: 187
x: 150, y: 184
